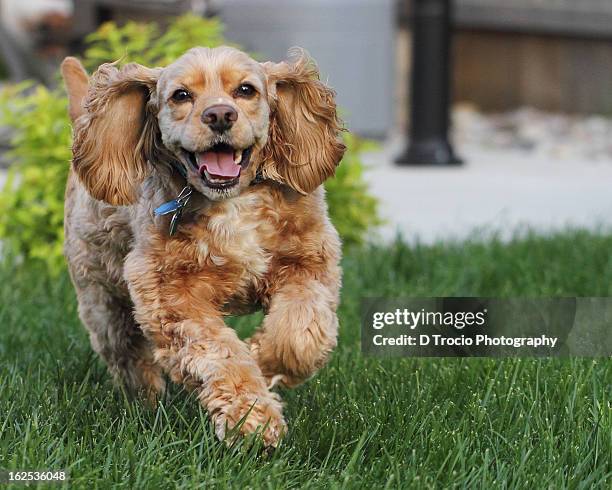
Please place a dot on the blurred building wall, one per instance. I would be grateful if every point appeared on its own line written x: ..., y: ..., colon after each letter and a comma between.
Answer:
x: 16, y: 15
x: 551, y: 54
x: 500, y: 71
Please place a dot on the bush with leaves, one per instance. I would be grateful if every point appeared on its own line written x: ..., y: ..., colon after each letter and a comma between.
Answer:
x: 351, y: 208
x: 31, y: 202
x: 147, y: 45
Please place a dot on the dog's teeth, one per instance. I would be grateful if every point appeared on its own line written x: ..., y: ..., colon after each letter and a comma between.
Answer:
x: 237, y: 156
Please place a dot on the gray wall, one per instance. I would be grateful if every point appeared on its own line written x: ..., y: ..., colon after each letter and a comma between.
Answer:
x: 351, y: 40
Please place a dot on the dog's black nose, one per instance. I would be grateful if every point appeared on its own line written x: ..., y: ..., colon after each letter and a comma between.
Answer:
x: 220, y: 117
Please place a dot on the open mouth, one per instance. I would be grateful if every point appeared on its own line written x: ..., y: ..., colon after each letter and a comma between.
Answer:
x: 220, y: 165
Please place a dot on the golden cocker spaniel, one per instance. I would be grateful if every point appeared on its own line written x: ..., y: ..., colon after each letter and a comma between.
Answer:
x: 195, y: 192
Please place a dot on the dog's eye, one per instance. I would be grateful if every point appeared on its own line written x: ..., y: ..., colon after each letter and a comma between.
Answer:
x: 245, y: 90
x: 181, y: 95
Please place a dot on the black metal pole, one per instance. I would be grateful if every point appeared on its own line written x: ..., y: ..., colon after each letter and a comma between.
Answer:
x: 428, y: 142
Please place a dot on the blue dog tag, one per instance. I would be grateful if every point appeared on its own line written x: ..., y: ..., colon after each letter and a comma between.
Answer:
x: 175, y: 207
x: 167, y: 208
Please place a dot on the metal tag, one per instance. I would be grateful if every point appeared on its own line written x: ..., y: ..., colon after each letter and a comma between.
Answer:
x: 175, y: 206
x: 175, y: 221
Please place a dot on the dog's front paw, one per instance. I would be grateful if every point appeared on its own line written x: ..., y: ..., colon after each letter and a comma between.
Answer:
x: 248, y: 414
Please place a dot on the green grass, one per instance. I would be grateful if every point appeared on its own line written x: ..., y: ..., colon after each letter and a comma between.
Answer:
x: 361, y: 423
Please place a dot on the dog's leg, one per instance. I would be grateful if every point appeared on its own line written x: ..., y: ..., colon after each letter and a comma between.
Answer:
x: 116, y: 337
x: 300, y: 329
x: 197, y: 349
x: 209, y: 357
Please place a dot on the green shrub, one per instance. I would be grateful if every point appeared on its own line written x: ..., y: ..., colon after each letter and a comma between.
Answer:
x: 147, y: 45
x: 31, y: 202
x: 352, y: 209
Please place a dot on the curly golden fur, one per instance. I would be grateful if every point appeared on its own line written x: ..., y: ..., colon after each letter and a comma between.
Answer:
x: 154, y: 304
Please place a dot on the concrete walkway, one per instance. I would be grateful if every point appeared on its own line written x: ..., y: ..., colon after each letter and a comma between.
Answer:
x: 495, y: 191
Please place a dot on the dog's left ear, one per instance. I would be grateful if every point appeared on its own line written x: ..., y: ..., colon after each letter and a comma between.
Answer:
x: 304, y: 145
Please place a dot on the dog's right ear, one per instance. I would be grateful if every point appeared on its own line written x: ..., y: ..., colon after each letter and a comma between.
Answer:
x: 116, y: 128
x: 77, y: 82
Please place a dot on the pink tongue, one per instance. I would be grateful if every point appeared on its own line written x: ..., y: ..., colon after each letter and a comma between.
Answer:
x: 218, y: 164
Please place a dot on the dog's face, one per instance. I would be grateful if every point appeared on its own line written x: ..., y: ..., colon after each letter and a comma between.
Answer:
x: 214, y: 114
x: 217, y: 113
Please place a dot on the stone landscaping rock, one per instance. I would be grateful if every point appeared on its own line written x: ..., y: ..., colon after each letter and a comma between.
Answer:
x: 538, y: 133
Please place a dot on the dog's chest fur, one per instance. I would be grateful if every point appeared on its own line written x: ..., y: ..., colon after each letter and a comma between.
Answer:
x: 242, y: 248
x: 231, y: 246
x: 239, y: 233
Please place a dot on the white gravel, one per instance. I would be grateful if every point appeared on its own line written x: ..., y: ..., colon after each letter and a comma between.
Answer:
x: 537, y: 133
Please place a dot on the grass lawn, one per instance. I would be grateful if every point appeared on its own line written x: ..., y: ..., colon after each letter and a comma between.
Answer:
x: 361, y: 423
